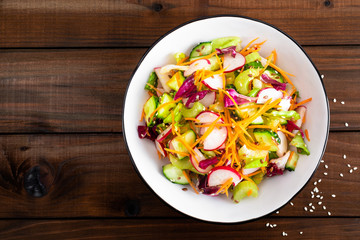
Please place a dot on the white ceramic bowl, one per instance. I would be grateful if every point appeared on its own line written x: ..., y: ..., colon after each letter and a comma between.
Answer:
x: 274, y: 192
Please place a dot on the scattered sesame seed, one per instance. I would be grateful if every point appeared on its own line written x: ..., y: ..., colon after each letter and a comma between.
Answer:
x: 324, y: 207
x: 267, y: 225
x: 305, y: 208
x: 277, y: 212
x: 350, y: 171
x: 346, y: 124
x: 301, y: 233
x: 322, y: 160
x: 334, y: 100
x: 342, y: 102
x: 312, y: 193
x: 319, y: 180
x: 315, y: 183
x: 341, y: 175
x: 329, y: 213
x: 349, y: 165
x: 313, y: 207
x: 284, y: 234
x: 355, y: 168
x: 326, y: 166
x: 319, y: 203
x: 310, y: 204
x: 291, y: 204
x: 271, y: 225
x: 311, y: 210
x: 333, y: 195
x: 322, y: 75
x: 274, y: 225
x: 321, y: 197
x: 325, y: 173
x: 316, y: 189
x: 318, y: 196
x: 344, y: 156
x: 312, y: 196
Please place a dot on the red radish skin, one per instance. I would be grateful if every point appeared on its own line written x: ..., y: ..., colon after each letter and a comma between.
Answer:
x: 266, y: 93
x: 219, y: 175
x: 247, y: 171
x: 196, y: 159
x: 233, y: 63
x: 206, y: 101
x: 208, y: 117
x: 214, y: 82
x: 197, y: 65
x: 164, y: 134
x: 161, y: 148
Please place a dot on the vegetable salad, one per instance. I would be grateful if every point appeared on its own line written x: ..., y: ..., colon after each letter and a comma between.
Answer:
x: 224, y: 117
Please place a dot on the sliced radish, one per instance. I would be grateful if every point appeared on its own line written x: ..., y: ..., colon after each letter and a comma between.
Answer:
x: 167, y: 68
x: 219, y: 175
x: 301, y: 111
x: 196, y: 159
x: 247, y: 171
x: 285, y: 104
x: 164, y: 134
x: 268, y: 93
x: 215, y: 139
x: 233, y: 63
x: 282, y: 147
x: 214, y: 82
x: 163, y: 78
x: 208, y: 99
x: 208, y: 117
x: 161, y: 148
x: 197, y: 65
x: 281, y: 161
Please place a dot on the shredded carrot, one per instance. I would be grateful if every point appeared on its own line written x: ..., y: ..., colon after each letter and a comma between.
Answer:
x: 189, y: 180
x: 248, y: 45
x: 183, y: 60
x: 204, y: 57
x: 154, y: 88
x: 275, y: 56
x: 291, y: 154
x: 307, y: 134
x: 159, y: 154
x: 207, y: 132
x: 254, y: 173
x: 249, y: 192
x: 302, y: 102
x: 283, y: 73
x: 225, y: 186
x: 270, y: 58
x: 177, y: 152
x: 287, y: 132
x: 142, y: 116
x: 192, y: 119
x: 304, y: 119
x: 163, y: 105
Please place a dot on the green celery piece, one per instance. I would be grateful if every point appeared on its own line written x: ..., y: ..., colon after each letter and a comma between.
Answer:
x: 243, y: 80
x: 245, y: 189
x: 177, y: 114
x: 194, y: 111
x: 179, y: 56
x: 299, y: 143
x: 254, y: 92
x: 225, y: 42
x: 256, y: 164
x: 287, y: 115
x: 252, y: 57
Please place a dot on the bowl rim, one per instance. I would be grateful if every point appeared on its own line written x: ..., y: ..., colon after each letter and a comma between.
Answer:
x: 205, y: 18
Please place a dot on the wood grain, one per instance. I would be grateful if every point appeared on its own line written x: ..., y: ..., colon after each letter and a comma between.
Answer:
x: 83, y: 23
x: 319, y: 228
x: 82, y: 90
x: 92, y: 176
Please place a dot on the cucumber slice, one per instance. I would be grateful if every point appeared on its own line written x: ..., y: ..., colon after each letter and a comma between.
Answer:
x: 163, y: 112
x: 153, y: 81
x: 202, y: 49
x: 174, y: 174
x: 149, y: 107
x: 243, y: 80
x: 248, y: 155
x: 258, y: 121
x: 292, y: 162
x: 245, y: 189
x: 183, y: 164
x: 188, y: 137
x: 177, y: 114
x: 299, y: 143
x: 266, y: 138
x: 273, y: 74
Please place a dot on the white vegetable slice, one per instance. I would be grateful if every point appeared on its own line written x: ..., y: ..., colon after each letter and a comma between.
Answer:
x: 163, y: 78
x: 268, y: 93
x: 281, y: 161
x: 233, y: 63
x: 282, y: 147
x: 214, y: 82
x: 197, y: 65
x: 219, y: 175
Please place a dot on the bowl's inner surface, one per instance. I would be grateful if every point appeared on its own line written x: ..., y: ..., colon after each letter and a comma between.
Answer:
x: 273, y: 192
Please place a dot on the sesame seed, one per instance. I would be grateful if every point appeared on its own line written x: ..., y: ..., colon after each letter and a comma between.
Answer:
x: 301, y: 233
x: 342, y: 102
x: 319, y: 180
x: 346, y: 124
x: 267, y: 225
x: 319, y: 203
x: 355, y: 168
x: 349, y: 165
x: 312, y: 196
x: 315, y: 183
x: 333, y: 195
x: 334, y: 100
x: 313, y: 207
x: 271, y: 226
x: 322, y: 160
x: 325, y: 173
x: 344, y: 156
x: 312, y: 193
x: 274, y: 225
x: 310, y: 204
x: 322, y: 75
x: 305, y: 208
x: 318, y: 196
x: 324, y: 207
x: 291, y: 204
x: 329, y: 213
x: 316, y: 189
x: 321, y: 197
x: 341, y: 175
x: 277, y: 212
x: 311, y: 210
x: 350, y: 171
x: 284, y: 234
x: 326, y: 166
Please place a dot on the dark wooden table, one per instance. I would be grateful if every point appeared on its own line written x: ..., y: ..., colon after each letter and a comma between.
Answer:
x: 64, y: 68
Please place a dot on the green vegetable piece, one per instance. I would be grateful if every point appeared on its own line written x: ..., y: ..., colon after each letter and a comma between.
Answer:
x: 214, y: 64
x: 287, y: 115
x: 174, y: 174
x: 188, y: 137
x: 266, y: 139
x: 258, y: 121
x: 299, y: 143
x: 273, y: 155
x: 252, y: 57
x: 249, y: 155
x: 149, y: 107
x: 273, y: 74
x: 208, y: 154
x: 230, y: 78
x: 255, y: 65
x: 193, y: 111
x: 225, y: 42
x: 258, y: 177
x: 177, y: 114
x: 254, y: 92
x: 176, y: 81
x: 256, y: 164
x: 257, y: 83
x: 292, y: 162
x: 202, y: 49
x: 245, y: 189
x: 153, y: 82
x: 244, y: 113
x: 179, y: 56
x: 164, y: 111
x: 183, y: 164
x: 243, y: 80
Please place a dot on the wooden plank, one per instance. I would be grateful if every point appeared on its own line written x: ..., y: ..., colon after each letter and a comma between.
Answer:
x: 310, y: 228
x: 83, y: 23
x: 83, y: 90
x: 92, y: 176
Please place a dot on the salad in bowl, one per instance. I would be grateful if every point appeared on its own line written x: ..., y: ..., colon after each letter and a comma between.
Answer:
x: 224, y: 117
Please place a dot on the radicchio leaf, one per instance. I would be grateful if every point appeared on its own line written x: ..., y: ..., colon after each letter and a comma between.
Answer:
x: 196, y: 96
x: 273, y: 170
x: 227, y: 50
x: 207, y: 162
x: 291, y: 126
x: 277, y: 85
x: 239, y: 98
x: 204, y: 189
x: 146, y: 132
x: 187, y: 88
